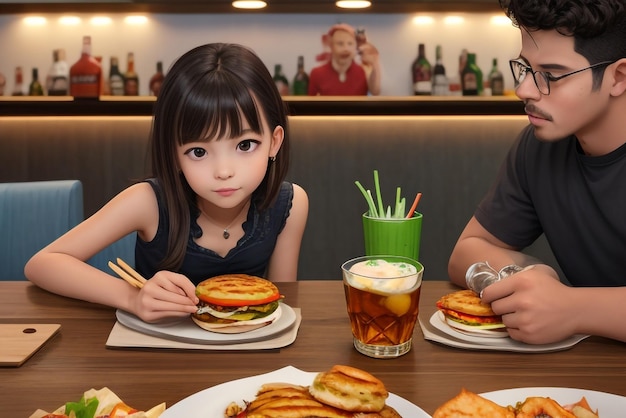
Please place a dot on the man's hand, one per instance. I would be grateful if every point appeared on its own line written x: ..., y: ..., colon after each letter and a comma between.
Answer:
x: 534, y: 306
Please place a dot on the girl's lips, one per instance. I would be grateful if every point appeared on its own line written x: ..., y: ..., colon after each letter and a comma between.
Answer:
x: 225, y: 192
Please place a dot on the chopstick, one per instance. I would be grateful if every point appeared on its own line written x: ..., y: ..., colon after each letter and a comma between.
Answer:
x: 127, y: 273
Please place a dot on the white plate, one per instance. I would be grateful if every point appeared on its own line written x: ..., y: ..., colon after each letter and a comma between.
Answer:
x: 449, y: 336
x: 186, y: 330
x: 212, y: 402
x: 607, y: 404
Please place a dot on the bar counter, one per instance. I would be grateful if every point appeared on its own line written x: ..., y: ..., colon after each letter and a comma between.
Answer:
x: 76, y: 359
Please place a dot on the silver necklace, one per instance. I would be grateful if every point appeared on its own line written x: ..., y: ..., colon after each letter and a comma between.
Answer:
x: 225, y: 232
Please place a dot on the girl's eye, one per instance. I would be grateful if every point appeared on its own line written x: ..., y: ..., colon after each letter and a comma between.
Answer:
x: 247, y: 145
x: 196, y: 153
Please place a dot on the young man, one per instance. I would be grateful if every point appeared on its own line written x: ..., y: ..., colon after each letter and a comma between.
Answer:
x: 342, y: 75
x: 565, y: 177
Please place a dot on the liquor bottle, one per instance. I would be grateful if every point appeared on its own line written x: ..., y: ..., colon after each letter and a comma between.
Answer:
x: 496, y: 79
x: 440, y: 81
x: 131, y: 79
x: 85, y: 74
x: 157, y: 79
x: 116, y: 79
x: 281, y: 81
x: 18, y: 87
x: 422, y: 74
x: 301, y: 80
x: 104, y: 82
x: 35, y: 88
x: 57, y: 81
x: 471, y: 77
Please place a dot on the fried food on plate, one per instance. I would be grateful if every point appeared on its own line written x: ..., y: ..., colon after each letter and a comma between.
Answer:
x: 470, y: 405
x: 336, y: 390
x: 350, y: 389
x: 539, y: 406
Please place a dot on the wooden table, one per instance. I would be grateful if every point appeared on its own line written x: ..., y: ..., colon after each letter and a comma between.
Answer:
x: 76, y: 359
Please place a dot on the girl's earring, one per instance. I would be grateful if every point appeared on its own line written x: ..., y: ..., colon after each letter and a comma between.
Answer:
x: 273, y: 158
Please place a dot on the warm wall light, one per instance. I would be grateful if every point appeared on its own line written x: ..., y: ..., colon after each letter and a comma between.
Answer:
x: 35, y: 20
x: 136, y: 20
x: 500, y: 21
x: 246, y: 4
x: 453, y: 20
x: 353, y: 4
x: 423, y: 20
x: 69, y: 20
x: 100, y: 20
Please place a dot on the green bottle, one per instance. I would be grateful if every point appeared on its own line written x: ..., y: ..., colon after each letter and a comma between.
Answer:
x: 301, y: 79
x: 471, y: 77
x: 282, y: 84
x: 496, y: 79
x: 35, y: 88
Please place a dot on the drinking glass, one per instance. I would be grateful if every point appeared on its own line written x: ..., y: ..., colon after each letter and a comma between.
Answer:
x: 382, y: 298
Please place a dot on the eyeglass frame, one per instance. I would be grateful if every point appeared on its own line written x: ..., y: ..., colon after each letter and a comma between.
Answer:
x: 546, y: 75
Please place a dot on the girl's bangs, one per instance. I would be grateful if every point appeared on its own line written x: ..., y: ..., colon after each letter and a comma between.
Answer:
x: 215, y: 110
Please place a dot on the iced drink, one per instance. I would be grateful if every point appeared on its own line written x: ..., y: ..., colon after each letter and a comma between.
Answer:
x: 382, y: 298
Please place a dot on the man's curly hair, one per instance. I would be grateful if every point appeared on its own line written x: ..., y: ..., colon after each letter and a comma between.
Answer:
x: 597, y: 26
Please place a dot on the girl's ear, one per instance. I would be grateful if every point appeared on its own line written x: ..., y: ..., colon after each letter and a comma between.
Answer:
x: 619, y: 78
x: 277, y: 140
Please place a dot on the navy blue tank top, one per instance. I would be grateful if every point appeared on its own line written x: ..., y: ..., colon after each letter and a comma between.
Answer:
x: 250, y: 256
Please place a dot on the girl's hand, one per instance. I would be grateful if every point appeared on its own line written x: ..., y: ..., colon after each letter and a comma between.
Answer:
x: 166, y: 295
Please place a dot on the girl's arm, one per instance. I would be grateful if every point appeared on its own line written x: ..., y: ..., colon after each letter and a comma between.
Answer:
x: 283, y: 266
x: 61, y: 266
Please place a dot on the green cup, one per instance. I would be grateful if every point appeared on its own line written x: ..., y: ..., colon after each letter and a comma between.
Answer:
x: 395, y: 236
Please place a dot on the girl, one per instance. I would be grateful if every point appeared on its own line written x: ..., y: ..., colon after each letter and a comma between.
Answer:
x: 217, y: 203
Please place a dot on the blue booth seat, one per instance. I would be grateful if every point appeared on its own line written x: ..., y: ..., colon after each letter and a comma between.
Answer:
x: 33, y: 214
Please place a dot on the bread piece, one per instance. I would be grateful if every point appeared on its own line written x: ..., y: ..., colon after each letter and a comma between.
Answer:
x: 465, y: 301
x: 350, y: 389
x: 470, y: 405
x: 238, y: 287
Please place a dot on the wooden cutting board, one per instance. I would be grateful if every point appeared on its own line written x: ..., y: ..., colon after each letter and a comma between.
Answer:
x: 20, y: 341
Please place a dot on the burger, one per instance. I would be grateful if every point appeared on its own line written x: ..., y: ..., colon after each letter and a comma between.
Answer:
x: 235, y: 303
x: 465, y: 312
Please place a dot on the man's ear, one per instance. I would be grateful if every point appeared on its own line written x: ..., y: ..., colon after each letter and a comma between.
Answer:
x: 277, y: 140
x: 619, y: 78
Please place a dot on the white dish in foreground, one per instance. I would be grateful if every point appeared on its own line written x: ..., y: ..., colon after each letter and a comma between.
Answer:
x: 212, y: 402
x: 607, y: 404
x: 187, y: 331
x: 444, y: 334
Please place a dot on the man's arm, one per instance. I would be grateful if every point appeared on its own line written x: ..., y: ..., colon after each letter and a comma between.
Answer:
x: 477, y: 244
x: 371, y: 64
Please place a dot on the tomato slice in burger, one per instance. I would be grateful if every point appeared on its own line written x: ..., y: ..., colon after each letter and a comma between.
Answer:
x: 239, y: 302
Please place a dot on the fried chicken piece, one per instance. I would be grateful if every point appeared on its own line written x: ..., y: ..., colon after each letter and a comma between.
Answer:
x: 470, y: 405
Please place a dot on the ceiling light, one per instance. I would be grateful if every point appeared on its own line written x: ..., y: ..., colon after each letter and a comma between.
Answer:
x: 35, y: 20
x: 247, y: 4
x: 353, y: 4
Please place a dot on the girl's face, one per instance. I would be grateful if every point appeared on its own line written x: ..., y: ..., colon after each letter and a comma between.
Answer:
x: 226, y: 171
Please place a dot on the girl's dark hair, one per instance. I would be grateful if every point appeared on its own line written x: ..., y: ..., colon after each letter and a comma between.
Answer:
x: 207, y: 93
x: 598, y: 26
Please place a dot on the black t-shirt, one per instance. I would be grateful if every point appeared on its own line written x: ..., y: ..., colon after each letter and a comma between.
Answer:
x: 577, y: 201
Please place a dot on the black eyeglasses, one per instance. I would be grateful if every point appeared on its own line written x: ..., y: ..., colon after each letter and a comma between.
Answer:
x: 520, y: 70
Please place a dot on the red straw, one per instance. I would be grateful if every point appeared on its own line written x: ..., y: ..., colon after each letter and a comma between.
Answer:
x: 414, y: 206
